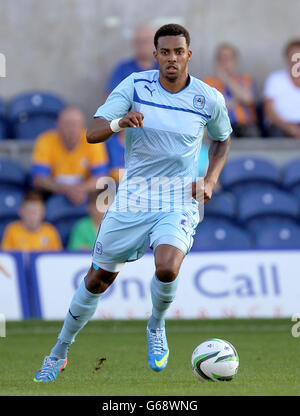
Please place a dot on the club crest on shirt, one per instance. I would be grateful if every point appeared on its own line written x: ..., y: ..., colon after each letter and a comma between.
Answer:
x: 199, y: 102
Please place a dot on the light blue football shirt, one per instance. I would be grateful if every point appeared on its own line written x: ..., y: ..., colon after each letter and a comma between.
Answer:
x: 161, y: 159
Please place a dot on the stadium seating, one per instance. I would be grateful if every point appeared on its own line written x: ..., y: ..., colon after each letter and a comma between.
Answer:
x: 220, y: 235
x: 278, y: 236
x: 63, y: 214
x: 34, y: 112
x: 10, y: 202
x: 291, y: 179
x: 240, y: 217
x: 259, y: 207
x: 12, y: 175
x: 244, y: 174
x: 222, y: 205
x: 3, y: 125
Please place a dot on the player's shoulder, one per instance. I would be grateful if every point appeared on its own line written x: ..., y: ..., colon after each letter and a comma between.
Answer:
x: 200, y: 85
x: 206, y: 94
x: 151, y: 76
x: 135, y: 77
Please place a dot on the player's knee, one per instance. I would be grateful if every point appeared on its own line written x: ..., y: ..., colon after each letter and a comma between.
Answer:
x: 166, y: 273
x: 97, y: 281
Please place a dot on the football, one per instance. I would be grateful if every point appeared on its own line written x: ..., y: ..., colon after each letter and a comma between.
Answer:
x: 215, y: 360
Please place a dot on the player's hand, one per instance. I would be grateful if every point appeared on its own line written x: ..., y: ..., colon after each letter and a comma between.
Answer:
x: 132, y: 119
x: 202, y: 190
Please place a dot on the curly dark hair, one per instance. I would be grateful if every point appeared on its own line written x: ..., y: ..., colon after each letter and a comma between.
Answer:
x: 172, y: 29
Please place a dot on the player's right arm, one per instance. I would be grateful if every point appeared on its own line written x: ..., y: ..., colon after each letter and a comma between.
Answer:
x: 99, y: 128
x: 118, y: 106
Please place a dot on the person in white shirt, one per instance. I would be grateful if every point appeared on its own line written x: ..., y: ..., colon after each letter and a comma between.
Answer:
x: 282, y: 96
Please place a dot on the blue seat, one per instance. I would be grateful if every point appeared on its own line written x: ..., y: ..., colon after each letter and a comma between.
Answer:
x: 278, y: 236
x: 222, y: 205
x: 10, y: 202
x: 63, y: 214
x: 3, y: 121
x: 221, y: 235
x: 259, y: 207
x: 12, y: 175
x: 33, y: 113
x: 64, y: 229
x: 58, y: 208
x: 247, y: 173
x: 291, y: 178
x: 292, y: 174
x: 296, y: 191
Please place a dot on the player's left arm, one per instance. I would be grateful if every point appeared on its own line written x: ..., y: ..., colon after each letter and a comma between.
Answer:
x: 218, y: 154
x: 219, y: 129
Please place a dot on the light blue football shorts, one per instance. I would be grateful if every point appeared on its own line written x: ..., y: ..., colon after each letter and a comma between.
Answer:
x: 124, y: 236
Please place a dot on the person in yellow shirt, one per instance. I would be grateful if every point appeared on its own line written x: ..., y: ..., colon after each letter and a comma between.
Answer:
x: 64, y: 163
x: 30, y: 233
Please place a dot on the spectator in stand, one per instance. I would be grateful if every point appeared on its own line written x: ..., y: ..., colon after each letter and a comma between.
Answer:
x: 238, y: 90
x: 282, y: 96
x: 30, y: 233
x: 64, y: 163
x: 142, y: 59
x: 84, y: 232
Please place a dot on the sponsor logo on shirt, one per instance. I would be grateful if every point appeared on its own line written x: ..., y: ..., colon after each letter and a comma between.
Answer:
x: 185, y: 224
x: 149, y: 89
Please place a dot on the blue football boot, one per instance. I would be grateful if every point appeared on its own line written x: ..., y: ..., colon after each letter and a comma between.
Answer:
x: 158, y: 351
x: 50, y: 369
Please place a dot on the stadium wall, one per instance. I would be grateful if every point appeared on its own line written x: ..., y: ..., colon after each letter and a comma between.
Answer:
x: 70, y: 46
x: 241, y: 284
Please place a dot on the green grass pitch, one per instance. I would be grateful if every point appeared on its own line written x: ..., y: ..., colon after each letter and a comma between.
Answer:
x: 269, y: 359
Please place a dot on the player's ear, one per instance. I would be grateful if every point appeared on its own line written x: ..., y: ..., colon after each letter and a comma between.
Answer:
x: 155, y: 54
x: 190, y: 53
